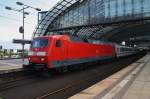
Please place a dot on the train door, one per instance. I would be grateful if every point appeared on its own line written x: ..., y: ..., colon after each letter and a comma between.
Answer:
x: 62, y: 46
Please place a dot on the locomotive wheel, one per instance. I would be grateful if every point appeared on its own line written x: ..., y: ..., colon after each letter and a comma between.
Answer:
x: 26, y: 67
x: 70, y: 68
x: 46, y: 72
x: 62, y: 69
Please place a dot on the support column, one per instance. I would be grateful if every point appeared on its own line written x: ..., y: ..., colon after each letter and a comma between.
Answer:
x: 124, y: 9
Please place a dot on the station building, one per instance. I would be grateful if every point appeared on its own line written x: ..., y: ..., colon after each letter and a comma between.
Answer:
x: 93, y: 18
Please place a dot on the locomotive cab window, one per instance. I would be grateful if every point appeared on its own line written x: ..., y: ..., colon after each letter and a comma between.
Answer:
x: 39, y: 42
x: 58, y: 43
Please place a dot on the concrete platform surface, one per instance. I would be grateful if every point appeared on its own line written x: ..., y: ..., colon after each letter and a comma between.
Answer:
x: 140, y: 88
x: 110, y: 87
x: 11, y: 65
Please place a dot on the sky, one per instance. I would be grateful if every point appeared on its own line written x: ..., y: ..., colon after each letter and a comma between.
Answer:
x: 10, y: 21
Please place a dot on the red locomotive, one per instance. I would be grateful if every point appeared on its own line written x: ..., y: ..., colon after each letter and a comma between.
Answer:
x: 61, y: 50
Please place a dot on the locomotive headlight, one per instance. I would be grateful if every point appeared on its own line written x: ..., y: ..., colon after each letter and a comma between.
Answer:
x: 42, y: 59
x: 41, y: 54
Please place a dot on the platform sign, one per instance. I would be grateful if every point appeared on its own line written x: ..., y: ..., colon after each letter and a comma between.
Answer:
x: 20, y: 41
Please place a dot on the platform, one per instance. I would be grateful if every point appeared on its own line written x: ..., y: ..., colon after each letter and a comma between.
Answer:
x: 117, y: 86
x: 11, y: 65
x: 140, y: 88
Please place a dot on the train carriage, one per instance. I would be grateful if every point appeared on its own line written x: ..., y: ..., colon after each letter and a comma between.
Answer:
x: 122, y: 51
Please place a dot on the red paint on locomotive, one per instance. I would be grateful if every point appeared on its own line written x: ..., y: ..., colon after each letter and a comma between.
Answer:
x: 60, y: 48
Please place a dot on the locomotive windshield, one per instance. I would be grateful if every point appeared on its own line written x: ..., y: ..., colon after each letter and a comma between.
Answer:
x: 39, y: 42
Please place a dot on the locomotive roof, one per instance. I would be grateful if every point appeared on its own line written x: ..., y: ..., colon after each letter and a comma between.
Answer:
x: 52, y: 36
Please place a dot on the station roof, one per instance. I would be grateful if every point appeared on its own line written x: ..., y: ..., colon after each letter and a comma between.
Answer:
x: 138, y: 34
x: 116, y: 31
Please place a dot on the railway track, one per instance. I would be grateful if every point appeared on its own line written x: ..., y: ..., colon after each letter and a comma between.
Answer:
x: 12, y: 75
x: 13, y: 83
x: 68, y: 86
x: 78, y: 82
x: 73, y: 84
x: 16, y: 79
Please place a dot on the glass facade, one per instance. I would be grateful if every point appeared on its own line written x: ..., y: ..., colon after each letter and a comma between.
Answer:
x: 93, y: 12
x: 89, y: 11
x: 96, y: 11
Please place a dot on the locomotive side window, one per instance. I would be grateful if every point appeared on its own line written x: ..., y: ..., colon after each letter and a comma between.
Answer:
x: 58, y: 43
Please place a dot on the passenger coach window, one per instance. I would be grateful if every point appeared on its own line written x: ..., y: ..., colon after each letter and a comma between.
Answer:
x: 58, y: 43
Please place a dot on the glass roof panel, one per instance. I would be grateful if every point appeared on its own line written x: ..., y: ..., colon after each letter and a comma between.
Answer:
x: 53, y: 13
